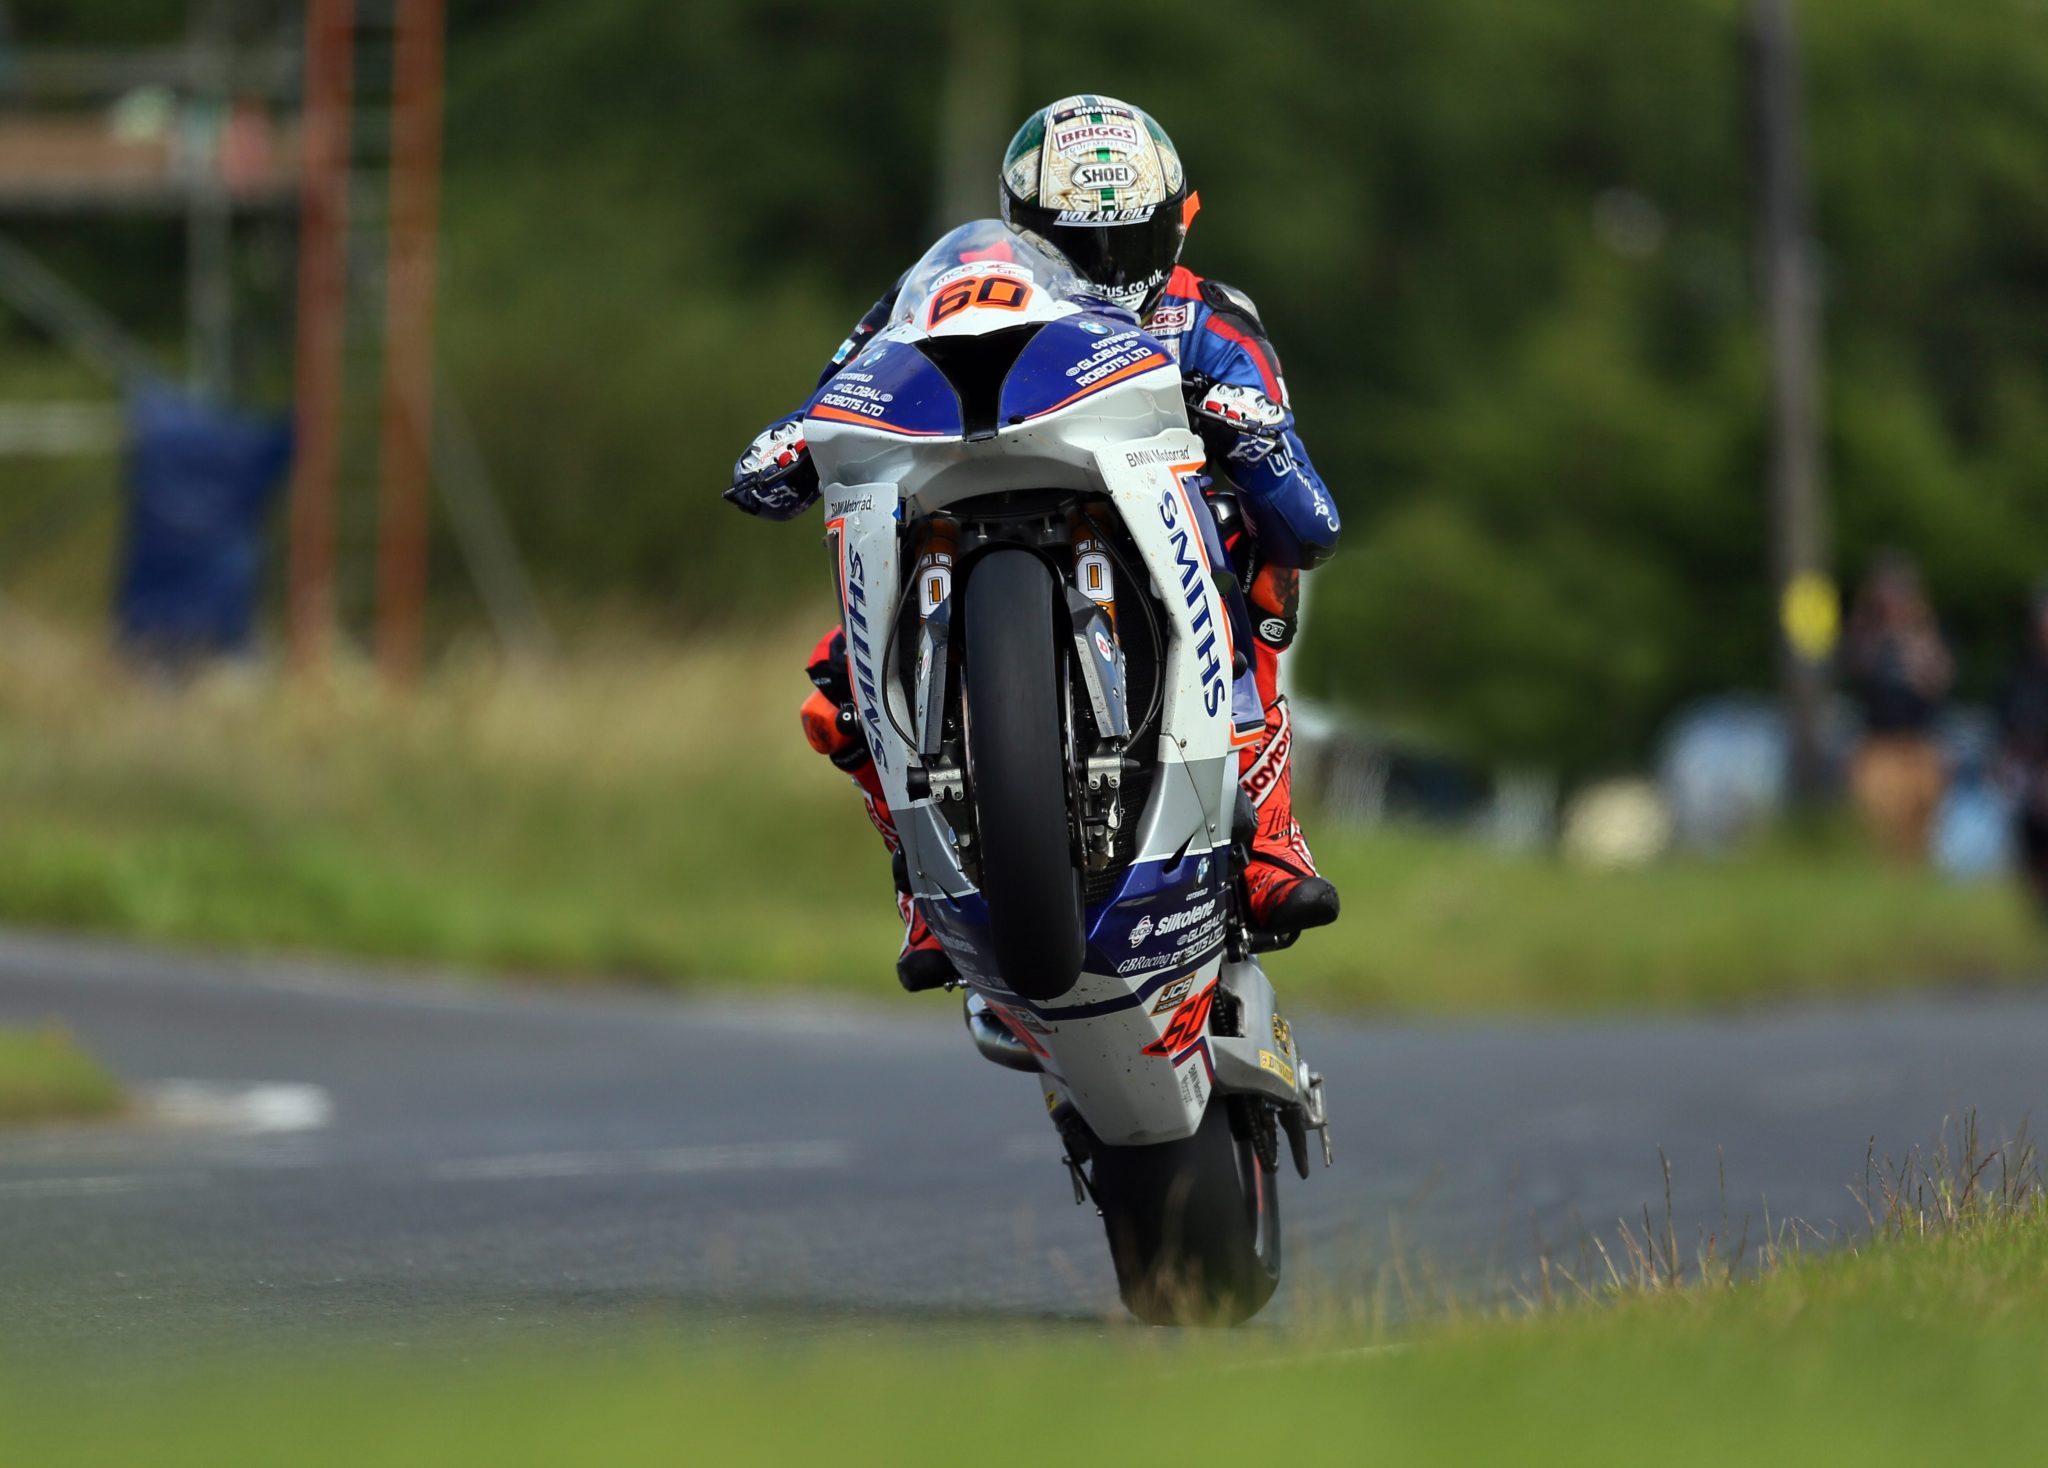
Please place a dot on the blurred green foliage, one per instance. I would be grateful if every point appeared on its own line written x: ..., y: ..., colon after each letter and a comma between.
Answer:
x: 1504, y: 249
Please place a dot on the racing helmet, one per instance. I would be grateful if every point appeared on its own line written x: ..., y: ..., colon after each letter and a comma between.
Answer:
x: 1100, y: 181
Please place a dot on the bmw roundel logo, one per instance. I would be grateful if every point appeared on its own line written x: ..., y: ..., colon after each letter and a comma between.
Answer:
x: 1093, y: 328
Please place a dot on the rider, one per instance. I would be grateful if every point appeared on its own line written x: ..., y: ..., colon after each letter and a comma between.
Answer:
x: 1100, y: 182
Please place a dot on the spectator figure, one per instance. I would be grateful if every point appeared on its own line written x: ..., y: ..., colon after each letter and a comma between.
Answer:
x: 1899, y: 671
x: 2023, y: 731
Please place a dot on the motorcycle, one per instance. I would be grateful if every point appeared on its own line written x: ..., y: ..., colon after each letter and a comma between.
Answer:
x: 1042, y: 632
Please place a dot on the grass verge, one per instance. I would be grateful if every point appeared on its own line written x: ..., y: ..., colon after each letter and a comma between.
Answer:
x: 44, y: 1076
x: 1923, y: 1345
x: 660, y: 817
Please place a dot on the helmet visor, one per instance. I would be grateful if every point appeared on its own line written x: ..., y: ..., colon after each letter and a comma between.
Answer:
x: 1128, y: 258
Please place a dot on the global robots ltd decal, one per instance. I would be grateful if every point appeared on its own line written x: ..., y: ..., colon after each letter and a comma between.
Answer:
x: 1074, y: 358
x: 892, y: 389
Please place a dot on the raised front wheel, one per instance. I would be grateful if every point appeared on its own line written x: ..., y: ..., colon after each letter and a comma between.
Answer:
x: 1017, y: 769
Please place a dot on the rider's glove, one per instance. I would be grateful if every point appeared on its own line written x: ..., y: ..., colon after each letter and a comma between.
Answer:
x: 1244, y: 411
x: 775, y: 477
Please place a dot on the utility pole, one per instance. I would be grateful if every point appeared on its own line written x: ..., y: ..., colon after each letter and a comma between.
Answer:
x: 975, y: 107
x: 406, y: 450
x: 1804, y: 594
x: 322, y: 315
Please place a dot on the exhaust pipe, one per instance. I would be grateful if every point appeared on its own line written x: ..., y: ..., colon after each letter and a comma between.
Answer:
x: 995, y: 1039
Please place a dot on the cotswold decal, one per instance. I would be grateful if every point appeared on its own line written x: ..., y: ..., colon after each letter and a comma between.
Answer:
x: 1215, y: 692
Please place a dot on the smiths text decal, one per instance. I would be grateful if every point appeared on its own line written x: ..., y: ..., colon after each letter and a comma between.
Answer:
x: 1194, y: 587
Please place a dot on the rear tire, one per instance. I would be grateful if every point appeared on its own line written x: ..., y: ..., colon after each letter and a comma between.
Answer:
x: 1017, y: 770
x: 1194, y: 1225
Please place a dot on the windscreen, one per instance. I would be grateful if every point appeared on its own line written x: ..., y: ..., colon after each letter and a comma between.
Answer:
x: 982, y: 243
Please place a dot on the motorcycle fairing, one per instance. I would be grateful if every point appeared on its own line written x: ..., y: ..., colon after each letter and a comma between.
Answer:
x: 891, y: 388
x: 1125, y: 439
x: 1073, y: 359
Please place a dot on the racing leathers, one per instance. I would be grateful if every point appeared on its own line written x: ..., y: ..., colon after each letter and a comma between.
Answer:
x: 1238, y: 402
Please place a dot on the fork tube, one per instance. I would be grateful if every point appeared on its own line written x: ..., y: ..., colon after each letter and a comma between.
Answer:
x: 935, y: 565
x: 1093, y: 577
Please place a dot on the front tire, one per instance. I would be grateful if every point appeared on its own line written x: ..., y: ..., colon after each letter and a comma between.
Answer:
x: 1194, y: 1225
x: 1017, y: 770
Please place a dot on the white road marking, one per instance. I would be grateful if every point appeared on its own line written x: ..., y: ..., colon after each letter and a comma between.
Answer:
x: 247, y: 1110
x: 90, y: 1187
x: 672, y: 1161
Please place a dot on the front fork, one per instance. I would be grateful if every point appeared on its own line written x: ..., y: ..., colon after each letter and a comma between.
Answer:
x: 1097, y: 656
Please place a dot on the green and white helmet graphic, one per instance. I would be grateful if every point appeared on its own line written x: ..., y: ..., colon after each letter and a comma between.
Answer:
x: 1102, y: 182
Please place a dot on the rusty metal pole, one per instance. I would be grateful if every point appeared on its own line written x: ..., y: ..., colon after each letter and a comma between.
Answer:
x: 406, y: 452
x: 322, y: 322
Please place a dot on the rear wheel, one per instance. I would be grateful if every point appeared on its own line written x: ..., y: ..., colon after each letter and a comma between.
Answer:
x: 1194, y: 1225
x: 1017, y: 770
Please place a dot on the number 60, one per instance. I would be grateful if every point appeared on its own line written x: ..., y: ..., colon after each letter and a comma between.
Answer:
x: 998, y: 292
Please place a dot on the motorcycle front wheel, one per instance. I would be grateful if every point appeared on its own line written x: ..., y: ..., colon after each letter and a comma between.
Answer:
x: 1017, y: 770
x: 1194, y: 1225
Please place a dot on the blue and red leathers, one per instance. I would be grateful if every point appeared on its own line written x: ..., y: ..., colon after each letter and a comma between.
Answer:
x: 1238, y: 402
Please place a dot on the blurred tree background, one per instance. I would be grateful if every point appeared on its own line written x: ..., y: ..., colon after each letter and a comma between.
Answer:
x: 1505, y: 251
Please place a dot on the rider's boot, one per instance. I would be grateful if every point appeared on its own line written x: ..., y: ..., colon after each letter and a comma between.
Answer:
x: 923, y: 963
x: 1287, y: 894
x: 833, y: 729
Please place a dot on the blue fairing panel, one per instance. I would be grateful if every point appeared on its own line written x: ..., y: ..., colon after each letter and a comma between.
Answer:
x: 1164, y: 919
x: 891, y: 388
x: 1072, y: 358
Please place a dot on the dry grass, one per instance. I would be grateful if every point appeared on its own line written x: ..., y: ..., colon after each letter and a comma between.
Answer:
x: 44, y: 1076
x: 654, y: 813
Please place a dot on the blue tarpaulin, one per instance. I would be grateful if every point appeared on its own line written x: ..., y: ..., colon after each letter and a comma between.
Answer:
x: 200, y: 479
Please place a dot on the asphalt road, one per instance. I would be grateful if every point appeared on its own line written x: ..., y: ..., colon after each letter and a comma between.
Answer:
x: 426, y: 1157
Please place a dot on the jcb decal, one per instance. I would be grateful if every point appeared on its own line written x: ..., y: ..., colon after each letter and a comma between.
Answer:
x: 1187, y: 1024
x: 1173, y: 994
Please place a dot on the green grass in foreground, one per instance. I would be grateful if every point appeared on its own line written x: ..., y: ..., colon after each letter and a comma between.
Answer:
x: 44, y: 1076
x: 1926, y: 1346
x: 660, y: 817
